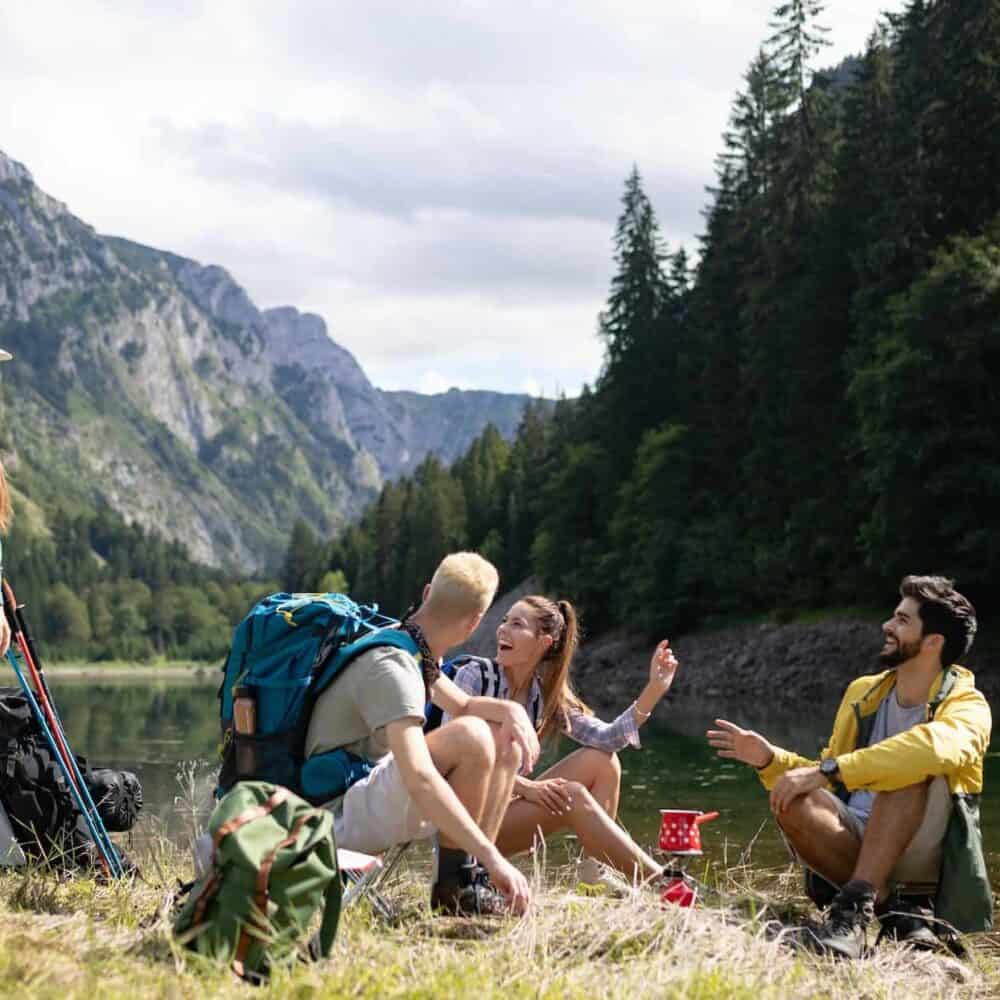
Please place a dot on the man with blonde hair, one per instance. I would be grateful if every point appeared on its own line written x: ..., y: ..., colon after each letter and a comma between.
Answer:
x: 455, y: 782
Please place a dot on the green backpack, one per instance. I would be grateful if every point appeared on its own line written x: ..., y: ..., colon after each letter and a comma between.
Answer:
x: 274, y: 865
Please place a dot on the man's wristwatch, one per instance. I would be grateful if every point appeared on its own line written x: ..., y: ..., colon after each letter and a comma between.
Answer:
x: 829, y: 768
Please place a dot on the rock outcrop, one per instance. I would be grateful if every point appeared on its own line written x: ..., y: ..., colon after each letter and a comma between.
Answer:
x: 152, y: 383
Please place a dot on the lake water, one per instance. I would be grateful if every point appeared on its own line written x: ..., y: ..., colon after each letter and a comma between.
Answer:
x: 161, y: 728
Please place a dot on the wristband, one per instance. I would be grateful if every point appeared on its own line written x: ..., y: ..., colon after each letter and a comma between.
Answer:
x: 641, y: 716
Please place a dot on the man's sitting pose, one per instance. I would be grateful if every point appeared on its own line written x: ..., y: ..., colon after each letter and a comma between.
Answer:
x: 456, y: 782
x: 902, y: 741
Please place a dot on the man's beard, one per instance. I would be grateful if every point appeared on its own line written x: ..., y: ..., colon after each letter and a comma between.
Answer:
x: 900, y: 653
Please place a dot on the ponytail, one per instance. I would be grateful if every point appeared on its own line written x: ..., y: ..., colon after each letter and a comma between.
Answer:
x: 559, y: 620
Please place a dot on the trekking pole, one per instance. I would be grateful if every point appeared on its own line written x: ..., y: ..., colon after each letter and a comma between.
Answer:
x: 109, y: 860
x: 45, y: 712
x: 45, y: 709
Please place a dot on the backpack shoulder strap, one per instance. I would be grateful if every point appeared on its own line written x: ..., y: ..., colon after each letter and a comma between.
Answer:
x: 947, y: 683
x: 491, y: 677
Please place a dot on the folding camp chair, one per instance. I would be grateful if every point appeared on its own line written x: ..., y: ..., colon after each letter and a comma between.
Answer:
x: 365, y: 873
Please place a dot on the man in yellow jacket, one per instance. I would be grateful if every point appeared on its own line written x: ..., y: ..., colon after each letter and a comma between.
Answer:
x: 894, y: 800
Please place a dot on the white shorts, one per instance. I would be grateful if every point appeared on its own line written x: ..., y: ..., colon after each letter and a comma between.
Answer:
x: 377, y: 812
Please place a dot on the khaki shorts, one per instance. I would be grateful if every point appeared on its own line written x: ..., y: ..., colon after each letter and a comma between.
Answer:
x: 920, y: 864
x: 377, y: 812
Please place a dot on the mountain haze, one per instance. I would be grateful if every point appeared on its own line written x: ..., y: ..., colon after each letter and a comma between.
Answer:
x: 151, y: 383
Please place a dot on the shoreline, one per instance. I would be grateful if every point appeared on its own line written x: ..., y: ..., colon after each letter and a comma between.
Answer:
x: 145, y: 671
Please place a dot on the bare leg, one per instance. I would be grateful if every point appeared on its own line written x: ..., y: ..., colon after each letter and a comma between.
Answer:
x: 814, y: 826
x: 600, y: 772
x: 896, y: 817
x: 815, y: 829
x: 508, y: 763
x: 464, y: 753
x: 594, y: 781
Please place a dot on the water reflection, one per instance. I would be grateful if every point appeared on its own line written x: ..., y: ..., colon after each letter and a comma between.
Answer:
x: 151, y: 726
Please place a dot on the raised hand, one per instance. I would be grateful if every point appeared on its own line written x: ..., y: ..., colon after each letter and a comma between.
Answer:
x: 662, y: 668
x: 744, y: 745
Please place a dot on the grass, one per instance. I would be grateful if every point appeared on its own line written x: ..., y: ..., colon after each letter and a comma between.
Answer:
x: 76, y: 938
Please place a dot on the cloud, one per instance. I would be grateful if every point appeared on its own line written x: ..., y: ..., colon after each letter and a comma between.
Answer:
x: 439, y: 180
x: 430, y: 159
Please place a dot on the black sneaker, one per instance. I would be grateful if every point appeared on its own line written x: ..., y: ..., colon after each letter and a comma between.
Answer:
x: 471, y: 895
x: 842, y: 933
x: 908, y: 920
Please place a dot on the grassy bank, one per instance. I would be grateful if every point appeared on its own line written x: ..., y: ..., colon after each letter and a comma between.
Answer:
x: 78, y: 939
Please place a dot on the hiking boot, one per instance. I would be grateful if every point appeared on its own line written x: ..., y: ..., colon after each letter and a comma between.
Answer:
x: 470, y: 895
x: 842, y: 932
x: 909, y: 921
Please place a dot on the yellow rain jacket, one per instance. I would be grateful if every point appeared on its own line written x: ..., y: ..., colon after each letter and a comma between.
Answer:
x: 952, y: 742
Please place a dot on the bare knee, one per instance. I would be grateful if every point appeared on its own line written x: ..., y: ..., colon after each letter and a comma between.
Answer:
x: 508, y: 754
x: 909, y: 802
x: 600, y: 765
x: 580, y: 798
x: 610, y: 764
x: 800, y: 814
x: 474, y: 740
x: 905, y: 796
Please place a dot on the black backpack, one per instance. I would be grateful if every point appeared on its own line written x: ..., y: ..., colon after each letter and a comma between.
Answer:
x: 33, y: 791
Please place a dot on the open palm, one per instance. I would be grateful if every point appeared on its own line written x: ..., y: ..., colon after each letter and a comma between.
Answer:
x: 736, y: 743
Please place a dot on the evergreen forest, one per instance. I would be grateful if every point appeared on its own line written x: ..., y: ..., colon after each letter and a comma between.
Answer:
x: 788, y: 420
x: 805, y: 414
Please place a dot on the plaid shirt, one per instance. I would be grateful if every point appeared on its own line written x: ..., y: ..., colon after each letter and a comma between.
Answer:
x: 480, y: 676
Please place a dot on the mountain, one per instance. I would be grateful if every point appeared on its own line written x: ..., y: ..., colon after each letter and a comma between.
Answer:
x: 151, y: 383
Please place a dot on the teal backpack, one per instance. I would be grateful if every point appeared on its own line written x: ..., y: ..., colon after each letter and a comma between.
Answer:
x: 273, y: 871
x: 284, y: 655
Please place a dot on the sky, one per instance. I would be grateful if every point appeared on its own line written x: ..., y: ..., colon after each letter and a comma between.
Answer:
x: 438, y: 180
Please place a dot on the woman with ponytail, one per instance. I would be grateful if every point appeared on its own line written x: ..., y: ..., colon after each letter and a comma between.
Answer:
x: 536, y: 642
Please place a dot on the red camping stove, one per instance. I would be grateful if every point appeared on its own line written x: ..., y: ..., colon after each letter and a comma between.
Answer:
x: 680, y: 836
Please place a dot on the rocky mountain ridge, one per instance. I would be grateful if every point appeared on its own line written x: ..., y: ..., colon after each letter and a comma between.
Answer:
x: 152, y: 383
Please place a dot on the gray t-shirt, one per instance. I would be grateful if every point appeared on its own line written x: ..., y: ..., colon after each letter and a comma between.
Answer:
x: 890, y: 720
x: 380, y: 686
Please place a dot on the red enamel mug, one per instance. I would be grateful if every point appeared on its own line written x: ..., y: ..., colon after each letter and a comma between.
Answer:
x: 680, y: 830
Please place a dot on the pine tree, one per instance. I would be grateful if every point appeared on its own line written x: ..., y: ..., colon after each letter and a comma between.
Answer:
x: 638, y: 376
x: 928, y: 406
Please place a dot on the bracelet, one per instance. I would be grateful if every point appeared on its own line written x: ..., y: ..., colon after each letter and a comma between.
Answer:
x: 641, y: 716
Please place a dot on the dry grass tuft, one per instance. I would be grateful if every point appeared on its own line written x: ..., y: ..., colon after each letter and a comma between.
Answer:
x: 78, y: 938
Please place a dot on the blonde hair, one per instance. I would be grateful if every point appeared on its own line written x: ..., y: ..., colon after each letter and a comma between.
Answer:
x: 464, y: 584
x: 559, y: 620
x: 6, y: 511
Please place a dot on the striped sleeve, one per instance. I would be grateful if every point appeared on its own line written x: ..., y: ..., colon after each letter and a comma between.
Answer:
x: 589, y: 731
x: 470, y: 680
